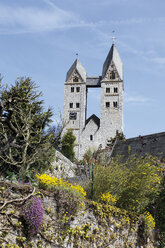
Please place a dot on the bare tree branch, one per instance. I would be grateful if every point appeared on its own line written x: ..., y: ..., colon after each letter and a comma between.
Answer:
x: 17, y: 200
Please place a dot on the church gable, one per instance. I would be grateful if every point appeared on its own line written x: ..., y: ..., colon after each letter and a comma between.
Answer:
x: 112, y: 73
x: 76, y: 73
x: 113, y: 60
x: 93, y: 119
x: 91, y: 124
x: 91, y: 129
x: 75, y: 77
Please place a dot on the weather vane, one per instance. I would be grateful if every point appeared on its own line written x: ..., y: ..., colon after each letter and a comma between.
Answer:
x: 77, y: 55
x: 113, y: 37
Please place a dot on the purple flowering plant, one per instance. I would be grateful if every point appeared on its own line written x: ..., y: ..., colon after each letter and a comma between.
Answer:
x: 33, y: 214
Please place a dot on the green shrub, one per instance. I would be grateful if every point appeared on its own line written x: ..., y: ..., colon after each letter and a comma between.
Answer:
x: 134, y: 182
x: 67, y: 142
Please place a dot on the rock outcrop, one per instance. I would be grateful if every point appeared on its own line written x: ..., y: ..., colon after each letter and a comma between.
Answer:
x: 93, y: 226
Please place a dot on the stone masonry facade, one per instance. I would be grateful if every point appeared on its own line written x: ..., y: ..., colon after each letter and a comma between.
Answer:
x: 94, y: 132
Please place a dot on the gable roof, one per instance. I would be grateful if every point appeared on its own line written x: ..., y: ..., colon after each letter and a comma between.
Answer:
x: 94, y: 118
x: 80, y: 69
x: 113, y: 55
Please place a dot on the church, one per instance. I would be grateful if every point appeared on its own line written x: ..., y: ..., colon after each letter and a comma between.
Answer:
x: 93, y: 132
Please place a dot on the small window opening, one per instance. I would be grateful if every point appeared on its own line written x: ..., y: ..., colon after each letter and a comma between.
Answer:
x: 72, y: 89
x: 77, y: 104
x: 71, y: 104
x: 91, y: 137
x: 115, y: 90
x: 78, y: 89
x: 112, y: 75
x: 75, y: 79
x: 115, y: 104
x: 107, y: 90
x: 107, y: 104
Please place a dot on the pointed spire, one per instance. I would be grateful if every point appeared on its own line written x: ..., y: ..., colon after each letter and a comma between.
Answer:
x: 113, y: 37
x: 80, y: 69
x: 113, y: 56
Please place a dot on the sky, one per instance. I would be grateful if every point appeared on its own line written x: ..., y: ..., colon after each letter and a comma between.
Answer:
x: 40, y: 39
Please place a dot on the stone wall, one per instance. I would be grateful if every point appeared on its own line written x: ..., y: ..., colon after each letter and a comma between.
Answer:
x: 111, y: 118
x: 93, y: 226
x: 62, y: 167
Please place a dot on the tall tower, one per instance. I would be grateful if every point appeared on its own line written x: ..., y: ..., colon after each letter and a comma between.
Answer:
x: 111, y: 115
x: 94, y: 132
x: 74, y: 112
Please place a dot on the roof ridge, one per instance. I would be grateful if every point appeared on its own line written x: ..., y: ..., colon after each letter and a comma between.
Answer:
x: 95, y: 118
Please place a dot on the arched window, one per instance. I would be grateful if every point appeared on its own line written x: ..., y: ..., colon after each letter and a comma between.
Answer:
x: 112, y: 75
x: 115, y: 104
x: 71, y: 104
x: 77, y: 104
x: 107, y: 90
x: 75, y: 79
x: 107, y: 104
x: 72, y: 89
x: 115, y: 90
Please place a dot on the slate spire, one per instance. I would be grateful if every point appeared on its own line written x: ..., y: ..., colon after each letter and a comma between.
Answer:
x: 76, y: 66
x: 113, y: 57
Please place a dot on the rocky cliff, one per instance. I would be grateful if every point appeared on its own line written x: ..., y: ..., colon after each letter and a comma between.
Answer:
x: 94, y: 226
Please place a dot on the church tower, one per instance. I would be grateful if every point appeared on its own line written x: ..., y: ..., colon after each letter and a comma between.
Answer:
x: 93, y: 132
x: 111, y: 115
x: 74, y: 112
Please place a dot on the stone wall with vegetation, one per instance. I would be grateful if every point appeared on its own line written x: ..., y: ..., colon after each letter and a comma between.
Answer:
x: 62, y: 167
x: 91, y: 225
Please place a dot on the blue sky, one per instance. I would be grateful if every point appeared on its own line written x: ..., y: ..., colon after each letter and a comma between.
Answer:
x: 40, y: 39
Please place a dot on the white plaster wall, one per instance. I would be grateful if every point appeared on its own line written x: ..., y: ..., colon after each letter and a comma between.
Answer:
x: 85, y: 142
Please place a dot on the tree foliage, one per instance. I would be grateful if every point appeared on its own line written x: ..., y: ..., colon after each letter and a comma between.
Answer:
x: 55, y: 132
x: 24, y: 145
x: 118, y: 136
x: 157, y: 208
x: 67, y: 143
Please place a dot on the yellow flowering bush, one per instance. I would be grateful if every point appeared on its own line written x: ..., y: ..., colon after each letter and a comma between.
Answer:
x: 135, y: 182
x: 149, y: 220
x: 108, y: 198
x: 50, y: 182
x: 69, y: 197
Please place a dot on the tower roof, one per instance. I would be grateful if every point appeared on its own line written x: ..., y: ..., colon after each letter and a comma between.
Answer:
x: 113, y: 56
x: 79, y: 68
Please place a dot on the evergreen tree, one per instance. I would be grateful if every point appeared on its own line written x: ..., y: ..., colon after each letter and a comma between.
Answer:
x: 68, y: 141
x: 24, y: 145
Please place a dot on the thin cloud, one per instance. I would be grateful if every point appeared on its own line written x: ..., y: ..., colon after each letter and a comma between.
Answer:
x: 136, y: 99
x: 30, y: 20
x: 159, y: 60
x: 110, y: 2
x: 131, y: 21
